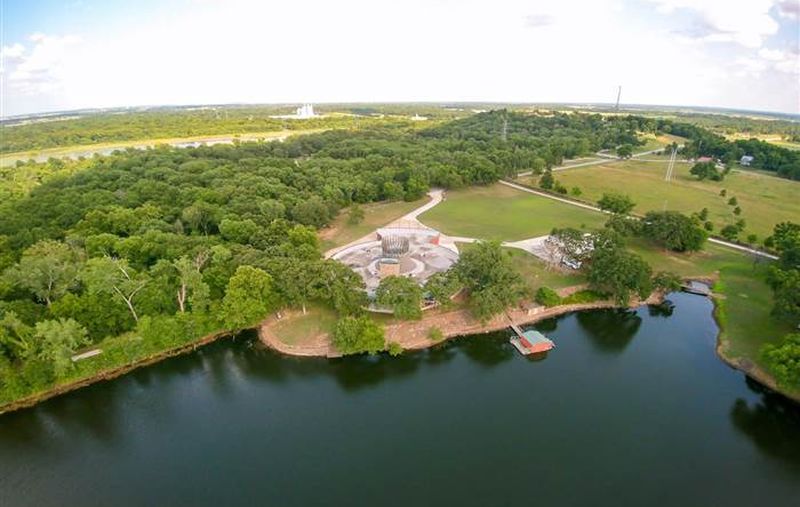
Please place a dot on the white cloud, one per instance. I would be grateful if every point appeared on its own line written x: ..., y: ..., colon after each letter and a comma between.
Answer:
x: 746, y: 22
x: 433, y: 50
x: 40, y: 69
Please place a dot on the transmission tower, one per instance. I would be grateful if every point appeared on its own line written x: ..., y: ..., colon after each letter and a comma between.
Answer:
x: 619, y: 93
x: 671, y: 165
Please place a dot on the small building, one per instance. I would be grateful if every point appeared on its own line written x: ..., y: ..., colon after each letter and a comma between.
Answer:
x: 532, y: 342
x: 746, y: 160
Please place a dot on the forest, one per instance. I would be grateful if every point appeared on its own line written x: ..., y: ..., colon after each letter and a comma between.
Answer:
x: 144, y: 250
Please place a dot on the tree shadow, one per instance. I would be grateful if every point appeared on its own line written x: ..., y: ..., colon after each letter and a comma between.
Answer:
x: 663, y: 310
x: 772, y: 423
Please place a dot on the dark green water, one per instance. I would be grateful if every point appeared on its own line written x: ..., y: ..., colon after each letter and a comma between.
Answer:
x: 631, y: 408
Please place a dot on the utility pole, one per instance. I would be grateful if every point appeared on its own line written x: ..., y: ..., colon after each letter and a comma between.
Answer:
x: 619, y: 93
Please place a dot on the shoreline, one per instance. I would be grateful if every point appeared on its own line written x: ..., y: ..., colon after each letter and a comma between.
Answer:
x: 110, y: 374
x: 413, y: 337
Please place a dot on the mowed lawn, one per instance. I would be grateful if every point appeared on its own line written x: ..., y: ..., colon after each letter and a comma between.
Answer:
x: 376, y: 215
x: 765, y: 200
x: 501, y: 213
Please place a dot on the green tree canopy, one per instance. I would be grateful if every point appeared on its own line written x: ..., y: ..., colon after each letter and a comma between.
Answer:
x: 619, y: 204
x: 402, y: 294
x: 355, y: 335
x: 620, y: 273
x: 250, y: 297
x: 783, y: 360
x: 706, y: 170
x: 57, y: 342
x: 485, y: 269
x: 47, y: 269
x: 673, y: 230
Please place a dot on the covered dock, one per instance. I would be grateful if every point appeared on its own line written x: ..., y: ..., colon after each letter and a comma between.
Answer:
x: 531, y: 342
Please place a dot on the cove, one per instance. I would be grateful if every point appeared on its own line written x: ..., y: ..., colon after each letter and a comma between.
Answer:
x: 632, y: 408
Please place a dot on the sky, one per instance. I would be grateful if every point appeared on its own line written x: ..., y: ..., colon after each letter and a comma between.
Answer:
x: 72, y: 54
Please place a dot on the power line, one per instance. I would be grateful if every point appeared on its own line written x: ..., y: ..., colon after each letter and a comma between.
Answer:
x: 671, y: 165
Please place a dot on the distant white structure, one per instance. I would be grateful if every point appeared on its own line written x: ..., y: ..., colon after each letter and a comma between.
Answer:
x: 746, y: 160
x: 417, y: 117
x: 305, y: 111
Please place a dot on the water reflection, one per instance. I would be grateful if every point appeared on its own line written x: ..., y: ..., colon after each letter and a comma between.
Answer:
x: 665, y: 309
x: 772, y: 423
x: 610, y: 330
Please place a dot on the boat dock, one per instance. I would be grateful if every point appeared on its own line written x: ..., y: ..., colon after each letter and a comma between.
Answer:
x: 696, y: 288
x: 529, y: 342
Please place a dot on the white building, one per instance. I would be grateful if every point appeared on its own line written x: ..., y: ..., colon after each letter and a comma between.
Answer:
x: 305, y: 111
x: 746, y: 160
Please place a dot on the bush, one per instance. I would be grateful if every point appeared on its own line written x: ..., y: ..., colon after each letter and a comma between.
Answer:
x: 354, y: 335
x: 435, y: 334
x: 666, y: 281
x: 547, y: 297
x: 395, y: 349
x: 783, y: 360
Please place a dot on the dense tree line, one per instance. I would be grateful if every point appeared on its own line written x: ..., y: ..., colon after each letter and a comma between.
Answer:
x: 783, y: 358
x: 167, y: 244
x: 769, y: 157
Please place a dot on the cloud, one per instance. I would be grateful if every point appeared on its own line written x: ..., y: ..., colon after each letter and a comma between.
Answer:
x: 782, y: 61
x: 38, y: 70
x: 539, y: 20
x: 747, y: 23
x: 789, y: 9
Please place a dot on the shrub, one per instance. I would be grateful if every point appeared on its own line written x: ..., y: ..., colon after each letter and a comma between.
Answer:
x: 435, y: 334
x: 783, y: 360
x: 547, y: 297
x: 395, y: 349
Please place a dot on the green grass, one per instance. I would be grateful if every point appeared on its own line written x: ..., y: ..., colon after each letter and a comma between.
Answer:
x: 340, y: 232
x: 293, y: 331
x: 537, y: 274
x: 502, y: 213
x: 765, y: 200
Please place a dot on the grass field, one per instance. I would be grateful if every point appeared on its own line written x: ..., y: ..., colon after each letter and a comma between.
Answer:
x: 537, y: 274
x: 293, y: 331
x: 765, y: 200
x: 501, y: 213
x: 375, y: 215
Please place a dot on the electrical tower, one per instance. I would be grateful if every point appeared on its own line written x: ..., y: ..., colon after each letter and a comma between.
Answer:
x: 671, y: 165
x: 619, y: 93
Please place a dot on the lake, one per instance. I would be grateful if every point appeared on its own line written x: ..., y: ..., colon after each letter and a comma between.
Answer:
x: 631, y: 408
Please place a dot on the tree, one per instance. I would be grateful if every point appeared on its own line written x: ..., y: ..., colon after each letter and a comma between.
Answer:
x: 249, y: 298
x: 619, y: 273
x: 706, y: 170
x: 673, y: 230
x: 546, y: 180
x: 783, y: 360
x: 106, y: 275
x: 737, y: 211
x: 486, y: 271
x: 100, y: 315
x: 355, y: 335
x: 733, y: 201
x: 201, y: 217
x: 576, y: 192
x: 618, y: 204
x: 402, y: 295
x: 703, y: 215
x: 723, y: 192
x: 572, y: 245
x: 356, y: 215
x: 57, y: 342
x: 786, y: 240
x: 625, y: 151
x: 16, y: 337
x: 190, y: 281
x: 666, y: 281
x: 729, y: 232
x: 785, y: 285
x: 47, y: 269
x: 441, y: 287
